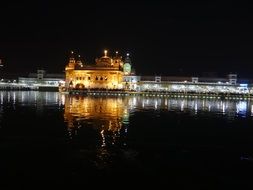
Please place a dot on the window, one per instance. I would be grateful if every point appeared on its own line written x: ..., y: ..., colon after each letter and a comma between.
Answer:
x: 96, y: 78
x: 157, y: 79
x: 88, y: 78
x: 101, y: 78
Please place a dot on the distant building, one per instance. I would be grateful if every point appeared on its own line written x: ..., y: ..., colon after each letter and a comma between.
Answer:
x: 193, y: 84
x: 41, y: 78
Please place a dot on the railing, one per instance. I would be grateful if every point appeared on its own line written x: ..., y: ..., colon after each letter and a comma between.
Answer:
x: 117, y: 92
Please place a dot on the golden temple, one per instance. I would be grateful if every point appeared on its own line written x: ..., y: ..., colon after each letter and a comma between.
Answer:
x: 106, y: 73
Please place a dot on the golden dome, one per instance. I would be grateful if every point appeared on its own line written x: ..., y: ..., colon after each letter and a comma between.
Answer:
x: 104, y: 60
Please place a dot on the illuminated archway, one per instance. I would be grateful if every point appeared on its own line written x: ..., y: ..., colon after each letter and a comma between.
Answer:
x: 80, y: 85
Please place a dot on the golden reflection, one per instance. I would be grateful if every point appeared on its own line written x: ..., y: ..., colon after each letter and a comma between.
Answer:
x: 109, y: 116
x: 106, y: 115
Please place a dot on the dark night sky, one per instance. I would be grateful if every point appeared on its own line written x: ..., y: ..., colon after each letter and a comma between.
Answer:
x: 167, y: 38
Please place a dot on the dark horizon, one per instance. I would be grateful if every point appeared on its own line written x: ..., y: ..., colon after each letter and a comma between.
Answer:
x: 163, y: 38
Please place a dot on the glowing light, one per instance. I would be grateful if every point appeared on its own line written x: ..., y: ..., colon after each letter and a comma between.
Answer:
x: 155, y: 104
x: 182, y: 106
x: 241, y: 108
x: 223, y: 108
x: 196, y: 107
x: 105, y: 52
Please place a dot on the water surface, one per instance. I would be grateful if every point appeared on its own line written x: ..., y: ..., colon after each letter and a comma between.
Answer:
x: 52, y: 137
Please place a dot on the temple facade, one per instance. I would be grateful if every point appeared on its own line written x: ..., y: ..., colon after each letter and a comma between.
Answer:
x: 114, y: 73
x: 106, y: 73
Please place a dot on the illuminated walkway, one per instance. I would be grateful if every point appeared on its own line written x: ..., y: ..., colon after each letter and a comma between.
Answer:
x: 230, y: 96
x: 21, y: 86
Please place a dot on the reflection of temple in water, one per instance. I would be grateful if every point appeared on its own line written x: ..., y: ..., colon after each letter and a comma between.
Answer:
x: 108, y: 116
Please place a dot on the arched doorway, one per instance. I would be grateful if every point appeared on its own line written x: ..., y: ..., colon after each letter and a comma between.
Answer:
x: 79, y: 86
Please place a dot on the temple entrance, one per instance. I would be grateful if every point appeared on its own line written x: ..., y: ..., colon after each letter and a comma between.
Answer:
x: 79, y: 86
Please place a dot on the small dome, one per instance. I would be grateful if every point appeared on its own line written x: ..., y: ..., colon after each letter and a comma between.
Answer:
x: 104, y: 61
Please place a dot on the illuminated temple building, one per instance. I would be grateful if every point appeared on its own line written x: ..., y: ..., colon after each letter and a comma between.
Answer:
x: 114, y: 73
x: 107, y: 73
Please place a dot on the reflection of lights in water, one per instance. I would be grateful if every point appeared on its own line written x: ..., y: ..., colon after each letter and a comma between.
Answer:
x: 182, y: 105
x: 110, y: 126
x: 2, y: 98
x: 169, y: 105
x: 251, y: 110
x: 192, y: 105
x: 46, y: 97
x: 103, y: 138
x: 14, y: 97
x: 223, y: 108
x: 134, y: 101
x: 108, y: 115
x: 196, y: 107
x: 22, y: 96
x: 70, y: 135
x: 241, y: 107
x: 63, y: 99
x: 56, y: 97
x: 8, y: 97
x: 29, y: 97
x: 113, y: 113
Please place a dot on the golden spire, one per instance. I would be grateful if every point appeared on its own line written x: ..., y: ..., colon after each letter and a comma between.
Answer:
x: 105, y: 52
